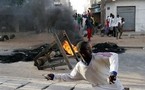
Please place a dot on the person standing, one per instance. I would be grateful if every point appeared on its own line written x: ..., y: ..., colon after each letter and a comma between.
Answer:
x: 118, y: 21
x: 113, y: 26
x: 89, y: 26
x: 100, y: 69
x: 120, y: 27
x: 107, y: 25
x: 110, y: 21
x: 79, y: 21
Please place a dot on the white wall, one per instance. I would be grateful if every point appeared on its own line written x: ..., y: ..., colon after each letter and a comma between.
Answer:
x: 139, y: 13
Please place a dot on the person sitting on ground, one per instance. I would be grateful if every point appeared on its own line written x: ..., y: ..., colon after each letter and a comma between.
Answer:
x: 100, y: 69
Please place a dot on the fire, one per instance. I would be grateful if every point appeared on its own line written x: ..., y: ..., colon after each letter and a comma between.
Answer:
x: 67, y: 48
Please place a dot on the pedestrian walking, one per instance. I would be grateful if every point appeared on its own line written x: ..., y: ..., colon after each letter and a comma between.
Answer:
x: 118, y: 22
x: 110, y: 21
x: 120, y: 27
x: 89, y: 26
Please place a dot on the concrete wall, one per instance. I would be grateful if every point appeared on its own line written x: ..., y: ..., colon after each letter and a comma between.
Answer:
x: 139, y: 14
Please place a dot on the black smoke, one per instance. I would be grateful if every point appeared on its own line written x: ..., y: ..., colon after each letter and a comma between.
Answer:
x: 37, y: 15
x: 61, y: 18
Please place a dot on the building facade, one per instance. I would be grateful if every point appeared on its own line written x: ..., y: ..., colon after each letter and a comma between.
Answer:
x: 132, y: 10
x: 95, y: 9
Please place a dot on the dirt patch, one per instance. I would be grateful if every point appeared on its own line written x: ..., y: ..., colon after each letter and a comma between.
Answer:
x: 27, y: 40
x: 31, y: 39
x: 137, y: 41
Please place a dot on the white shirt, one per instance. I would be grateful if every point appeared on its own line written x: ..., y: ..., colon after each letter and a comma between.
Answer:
x: 118, y: 20
x: 97, y: 72
x: 113, y: 22
x: 109, y: 19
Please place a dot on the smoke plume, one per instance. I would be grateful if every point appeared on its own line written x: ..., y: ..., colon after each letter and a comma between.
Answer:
x: 38, y: 15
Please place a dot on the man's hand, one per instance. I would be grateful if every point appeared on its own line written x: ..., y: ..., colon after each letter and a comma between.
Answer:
x: 49, y: 76
x: 112, y: 77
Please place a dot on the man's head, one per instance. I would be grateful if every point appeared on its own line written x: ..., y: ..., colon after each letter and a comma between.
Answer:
x: 85, y: 49
x: 122, y: 19
x: 118, y: 16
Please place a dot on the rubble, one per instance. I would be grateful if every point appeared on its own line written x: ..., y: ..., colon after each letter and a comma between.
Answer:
x: 20, y: 54
x: 108, y: 47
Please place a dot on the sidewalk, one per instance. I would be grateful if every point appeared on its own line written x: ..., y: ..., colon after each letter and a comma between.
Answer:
x: 129, y: 40
x: 11, y: 83
x: 133, y: 34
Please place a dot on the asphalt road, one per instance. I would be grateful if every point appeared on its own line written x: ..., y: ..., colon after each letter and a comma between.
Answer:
x: 132, y: 69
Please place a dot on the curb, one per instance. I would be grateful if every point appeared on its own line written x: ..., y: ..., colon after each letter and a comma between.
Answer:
x: 133, y: 47
x: 132, y: 34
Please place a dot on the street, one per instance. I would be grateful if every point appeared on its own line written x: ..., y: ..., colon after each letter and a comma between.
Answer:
x: 25, y: 76
x: 132, y: 69
x: 37, y: 34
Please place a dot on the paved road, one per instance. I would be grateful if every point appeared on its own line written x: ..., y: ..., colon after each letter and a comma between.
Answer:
x: 132, y: 69
x: 24, y: 76
x: 11, y: 83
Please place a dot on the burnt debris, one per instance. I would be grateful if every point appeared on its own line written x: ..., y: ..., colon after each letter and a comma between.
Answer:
x: 108, y: 47
x: 6, y: 37
x: 21, y: 54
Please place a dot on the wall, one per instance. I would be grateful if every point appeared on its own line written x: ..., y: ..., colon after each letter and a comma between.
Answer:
x: 140, y: 11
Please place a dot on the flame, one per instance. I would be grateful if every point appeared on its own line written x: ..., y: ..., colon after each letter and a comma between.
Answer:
x: 68, y: 49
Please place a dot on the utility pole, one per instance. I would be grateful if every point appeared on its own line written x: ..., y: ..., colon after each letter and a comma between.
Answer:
x: 103, y: 3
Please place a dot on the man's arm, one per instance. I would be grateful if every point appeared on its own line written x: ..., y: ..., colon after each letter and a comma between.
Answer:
x: 74, y: 75
x: 113, y: 59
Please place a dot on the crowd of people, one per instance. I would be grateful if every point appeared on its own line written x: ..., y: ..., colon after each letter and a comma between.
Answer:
x: 87, y: 25
x: 114, y: 26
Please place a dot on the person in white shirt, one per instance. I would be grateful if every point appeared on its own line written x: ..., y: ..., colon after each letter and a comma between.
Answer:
x: 118, y: 21
x: 113, y: 25
x: 100, y: 69
x: 109, y: 24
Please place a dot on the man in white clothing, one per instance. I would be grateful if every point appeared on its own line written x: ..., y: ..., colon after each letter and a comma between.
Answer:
x: 100, y: 69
